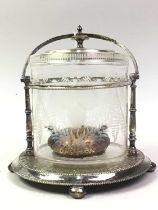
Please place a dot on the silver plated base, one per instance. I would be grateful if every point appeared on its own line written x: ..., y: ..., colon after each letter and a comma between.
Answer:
x: 40, y: 170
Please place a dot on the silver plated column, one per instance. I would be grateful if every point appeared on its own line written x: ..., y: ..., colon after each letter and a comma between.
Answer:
x: 132, y: 120
x: 29, y: 135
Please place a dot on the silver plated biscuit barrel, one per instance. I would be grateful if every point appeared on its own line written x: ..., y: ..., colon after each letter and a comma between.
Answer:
x: 79, y: 131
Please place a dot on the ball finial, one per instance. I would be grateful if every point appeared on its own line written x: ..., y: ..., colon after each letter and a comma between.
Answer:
x: 79, y: 29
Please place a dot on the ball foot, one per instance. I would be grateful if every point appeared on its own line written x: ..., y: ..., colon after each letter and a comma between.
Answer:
x: 77, y: 192
x: 152, y: 167
x: 10, y: 168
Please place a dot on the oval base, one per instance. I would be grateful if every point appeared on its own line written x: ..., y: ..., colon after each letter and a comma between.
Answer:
x: 36, y: 169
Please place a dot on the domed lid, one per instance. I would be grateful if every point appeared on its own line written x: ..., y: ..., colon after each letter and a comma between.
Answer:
x: 79, y: 55
x: 112, y: 71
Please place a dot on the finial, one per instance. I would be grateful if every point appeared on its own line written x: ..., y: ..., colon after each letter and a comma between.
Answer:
x: 79, y: 29
x: 80, y: 37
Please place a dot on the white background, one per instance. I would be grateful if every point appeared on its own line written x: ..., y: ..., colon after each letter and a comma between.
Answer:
x: 26, y: 23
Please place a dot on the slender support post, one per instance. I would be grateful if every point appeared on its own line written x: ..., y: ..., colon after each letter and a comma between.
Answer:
x: 132, y: 121
x: 29, y: 136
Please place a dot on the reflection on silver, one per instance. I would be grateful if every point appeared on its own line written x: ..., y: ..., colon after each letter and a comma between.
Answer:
x: 41, y: 170
x: 102, y: 177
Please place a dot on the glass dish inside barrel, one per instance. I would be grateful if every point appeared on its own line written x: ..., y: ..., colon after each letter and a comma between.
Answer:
x: 79, y: 118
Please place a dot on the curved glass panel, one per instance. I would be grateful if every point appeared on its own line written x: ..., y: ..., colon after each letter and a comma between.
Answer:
x: 79, y: 126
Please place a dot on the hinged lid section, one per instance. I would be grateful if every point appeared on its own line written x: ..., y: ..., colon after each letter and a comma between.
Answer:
x: 78, y: 68
x: 79, y: 56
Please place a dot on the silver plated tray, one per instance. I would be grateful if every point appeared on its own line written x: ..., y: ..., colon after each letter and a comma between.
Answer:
x: 41, y: 170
